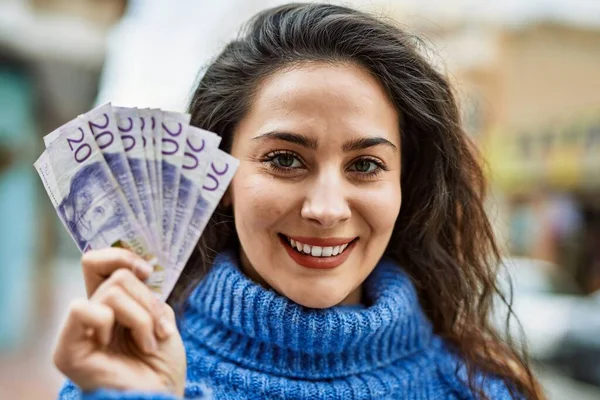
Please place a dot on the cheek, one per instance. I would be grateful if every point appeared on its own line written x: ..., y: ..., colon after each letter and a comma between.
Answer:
x: 258, y: 202
x: 380, y: 208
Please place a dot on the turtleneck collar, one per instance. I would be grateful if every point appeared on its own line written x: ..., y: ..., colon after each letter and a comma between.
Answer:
x: 257, y: 328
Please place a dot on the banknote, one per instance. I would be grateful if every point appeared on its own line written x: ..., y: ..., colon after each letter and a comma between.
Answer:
x: 156, y: 119
x: 150, y: 150
x: 173, y: 137
x: 129, y: 125
x: 102, y: 124
x: 200, y: 146
x: 90, y: 200
x: 49, y: 138
x: 220, y: 172
x: 44, y: 170
x: 149, y: 142
x: 141, y: 179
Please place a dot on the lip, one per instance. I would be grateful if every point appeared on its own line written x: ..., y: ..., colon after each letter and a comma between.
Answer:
x: 322, y: 242
x: 308, y: 261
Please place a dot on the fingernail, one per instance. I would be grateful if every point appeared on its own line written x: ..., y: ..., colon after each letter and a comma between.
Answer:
x: 166, y: 328
x: 142, y: 266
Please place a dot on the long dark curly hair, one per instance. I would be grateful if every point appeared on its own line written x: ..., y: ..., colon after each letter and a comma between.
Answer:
x: 442, y: 237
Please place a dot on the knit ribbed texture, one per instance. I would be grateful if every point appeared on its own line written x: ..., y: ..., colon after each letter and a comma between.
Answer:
x: 264, y: 331
x: 247, y: 342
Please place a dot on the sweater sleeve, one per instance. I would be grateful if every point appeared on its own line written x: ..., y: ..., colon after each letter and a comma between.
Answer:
x: 71, y: 392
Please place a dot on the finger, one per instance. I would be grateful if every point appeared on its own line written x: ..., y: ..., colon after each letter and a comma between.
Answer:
x: 135, y: 288
x: 139, y: 291
x: 83, y: 316
x: 167, y: 325
x: 132, y: 315
x: 98, y: 265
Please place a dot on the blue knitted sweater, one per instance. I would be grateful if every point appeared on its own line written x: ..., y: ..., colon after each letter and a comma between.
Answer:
x: 247, y: 342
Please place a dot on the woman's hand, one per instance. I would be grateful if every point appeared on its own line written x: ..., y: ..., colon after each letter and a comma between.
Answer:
x: 122, y: 337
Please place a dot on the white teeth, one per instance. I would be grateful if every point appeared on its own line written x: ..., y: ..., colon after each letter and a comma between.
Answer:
x: 318, y: 251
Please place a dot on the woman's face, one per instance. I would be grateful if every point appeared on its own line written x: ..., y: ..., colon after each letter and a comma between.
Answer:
x: 317, y: 192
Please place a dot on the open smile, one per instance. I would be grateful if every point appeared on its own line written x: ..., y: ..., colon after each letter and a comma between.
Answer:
x: 318, y: 253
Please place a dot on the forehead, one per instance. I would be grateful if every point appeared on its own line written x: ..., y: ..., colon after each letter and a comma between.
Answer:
x: 318, y: 96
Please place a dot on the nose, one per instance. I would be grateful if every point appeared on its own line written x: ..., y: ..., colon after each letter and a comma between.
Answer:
x: 326, y: 204
x: 85, y: 222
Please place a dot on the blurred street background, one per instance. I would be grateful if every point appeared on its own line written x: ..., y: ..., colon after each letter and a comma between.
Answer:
x: 528, y: 77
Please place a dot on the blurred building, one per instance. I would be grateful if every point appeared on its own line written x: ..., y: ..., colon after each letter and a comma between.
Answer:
x: 51, y: 56
x: 542, y: 138
x: 531, y: 97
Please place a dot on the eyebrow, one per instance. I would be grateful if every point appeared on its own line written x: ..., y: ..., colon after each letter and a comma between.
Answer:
x: 366, y: 142
x: 313, y: 144
x: 295, y: 138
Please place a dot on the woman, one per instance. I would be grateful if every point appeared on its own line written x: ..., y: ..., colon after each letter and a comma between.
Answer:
x: 351, y: 257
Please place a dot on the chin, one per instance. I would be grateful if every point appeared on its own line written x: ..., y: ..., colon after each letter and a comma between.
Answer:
x: 312, y: 298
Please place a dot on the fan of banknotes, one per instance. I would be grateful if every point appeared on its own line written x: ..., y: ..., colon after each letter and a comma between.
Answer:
x: 141, y: 179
